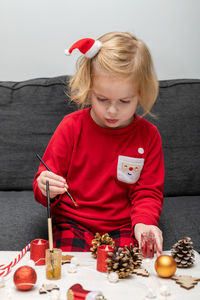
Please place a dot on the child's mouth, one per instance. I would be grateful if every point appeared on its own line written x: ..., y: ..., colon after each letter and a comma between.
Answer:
x: 112, y: 121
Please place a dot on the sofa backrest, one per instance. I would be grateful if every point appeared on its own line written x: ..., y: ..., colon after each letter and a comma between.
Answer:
x: 177, y: 111
x: 31, y: 110
x: 29, y: 113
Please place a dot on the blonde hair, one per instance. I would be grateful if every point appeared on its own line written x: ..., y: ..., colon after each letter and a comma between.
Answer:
x: 121, y: 55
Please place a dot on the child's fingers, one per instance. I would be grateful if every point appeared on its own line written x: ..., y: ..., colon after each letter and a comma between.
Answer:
x: 51, y: 175
x: 140, y: 228
x: 54, y: 179
x: 53, y: 182
x: 57, y: 184
x: 158, y: 248
x: 158, y: 241
x: 54, y: 190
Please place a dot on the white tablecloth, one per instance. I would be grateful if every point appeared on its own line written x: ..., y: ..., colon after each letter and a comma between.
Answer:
x: 133, y: 288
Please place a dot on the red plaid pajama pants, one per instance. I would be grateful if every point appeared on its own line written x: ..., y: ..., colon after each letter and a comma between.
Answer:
x: 74, y: 237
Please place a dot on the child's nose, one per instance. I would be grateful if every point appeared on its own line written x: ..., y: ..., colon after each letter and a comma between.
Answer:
x: 112, y: 109
x: 130, y: 169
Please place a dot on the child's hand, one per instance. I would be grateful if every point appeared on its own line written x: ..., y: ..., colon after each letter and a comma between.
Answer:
x: 140, y: 228
x: 57, y: 184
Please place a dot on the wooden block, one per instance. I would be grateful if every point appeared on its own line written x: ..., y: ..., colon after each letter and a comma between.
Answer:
x: 187, y: 282
x: 141, y: 272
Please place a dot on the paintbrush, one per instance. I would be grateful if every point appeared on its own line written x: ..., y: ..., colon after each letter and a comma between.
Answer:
x: 49, y: 218
x: 70, y: 196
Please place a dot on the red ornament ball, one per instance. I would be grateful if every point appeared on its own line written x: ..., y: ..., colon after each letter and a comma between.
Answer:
x: 25, y: 278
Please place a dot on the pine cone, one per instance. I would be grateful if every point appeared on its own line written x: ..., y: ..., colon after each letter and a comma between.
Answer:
x: 105, y: 239
x: 136, y: 256
x: 120, y: 262
x: 183, y: 253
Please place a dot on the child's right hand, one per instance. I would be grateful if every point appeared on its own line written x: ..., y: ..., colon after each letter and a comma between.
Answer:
x: 57, y: 184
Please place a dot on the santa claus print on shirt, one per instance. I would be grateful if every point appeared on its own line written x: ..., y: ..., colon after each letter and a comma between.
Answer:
x: 129, y: 168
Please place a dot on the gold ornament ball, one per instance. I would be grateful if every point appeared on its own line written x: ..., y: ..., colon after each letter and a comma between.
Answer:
x: 165, y: 266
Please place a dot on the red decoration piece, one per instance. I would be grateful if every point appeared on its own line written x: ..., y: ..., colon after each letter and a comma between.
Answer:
x: 87, y: 47
x: 5, y: 269
x: 37, y: 252
x: 102, y: 255
x: 25, y: 278
x: 76, y: 292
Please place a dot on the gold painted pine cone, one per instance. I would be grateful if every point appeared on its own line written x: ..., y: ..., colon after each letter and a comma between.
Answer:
x: 105, y: 239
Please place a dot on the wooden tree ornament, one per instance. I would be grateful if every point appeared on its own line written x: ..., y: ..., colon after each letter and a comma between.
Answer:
x: 187, y: 282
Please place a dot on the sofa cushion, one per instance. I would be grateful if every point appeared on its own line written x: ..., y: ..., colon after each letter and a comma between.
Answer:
x: 180, y: 218
x: 22, y: 220
x: 30, y: 112
x: 177, y: 116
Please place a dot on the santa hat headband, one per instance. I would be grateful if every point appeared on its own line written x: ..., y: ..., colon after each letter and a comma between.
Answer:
x: 87, y: 47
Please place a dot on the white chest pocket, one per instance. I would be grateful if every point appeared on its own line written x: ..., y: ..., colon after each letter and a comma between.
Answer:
x: 129, y: 168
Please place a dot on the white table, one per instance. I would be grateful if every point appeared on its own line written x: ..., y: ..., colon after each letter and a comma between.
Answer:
x: 133, y: 288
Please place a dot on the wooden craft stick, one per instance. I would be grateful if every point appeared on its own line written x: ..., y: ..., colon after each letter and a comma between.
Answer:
x: 50, y: 234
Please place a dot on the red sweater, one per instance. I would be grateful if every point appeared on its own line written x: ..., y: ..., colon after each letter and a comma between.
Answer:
x: 115, y: 175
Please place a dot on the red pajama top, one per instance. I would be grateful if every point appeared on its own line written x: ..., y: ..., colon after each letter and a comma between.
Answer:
x: 115, y: 175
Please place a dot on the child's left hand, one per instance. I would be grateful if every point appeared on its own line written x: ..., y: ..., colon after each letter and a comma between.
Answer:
x: 140, y: 228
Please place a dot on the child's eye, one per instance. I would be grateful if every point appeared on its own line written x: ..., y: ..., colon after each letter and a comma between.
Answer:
x: 101, y: 99
x: 125, y: 101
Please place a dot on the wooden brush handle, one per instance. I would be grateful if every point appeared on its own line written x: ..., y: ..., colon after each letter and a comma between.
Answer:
x: 50, y: 233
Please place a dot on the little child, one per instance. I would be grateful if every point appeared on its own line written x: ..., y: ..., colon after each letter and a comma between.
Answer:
x: 109, y: 158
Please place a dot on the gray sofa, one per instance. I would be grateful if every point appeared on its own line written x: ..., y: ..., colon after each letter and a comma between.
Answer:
x: 29, y: 113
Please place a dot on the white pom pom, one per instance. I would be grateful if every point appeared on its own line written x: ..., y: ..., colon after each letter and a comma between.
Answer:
x: 66, y: 51
x: 113, y: 277
x: 94, y: 295
x: 55, y: 295
x: 75, y: 261
x: 72, y: 268
x: 164, y: 290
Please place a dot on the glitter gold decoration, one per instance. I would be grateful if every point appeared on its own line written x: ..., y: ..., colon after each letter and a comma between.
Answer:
x: 105, y: 239
x: 165, y: 266
x: 53, y: 263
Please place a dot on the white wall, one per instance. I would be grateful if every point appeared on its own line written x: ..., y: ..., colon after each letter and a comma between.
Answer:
x: 34, y: 33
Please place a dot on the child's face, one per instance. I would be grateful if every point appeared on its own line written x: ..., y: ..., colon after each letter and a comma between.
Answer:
x: 113, y: 100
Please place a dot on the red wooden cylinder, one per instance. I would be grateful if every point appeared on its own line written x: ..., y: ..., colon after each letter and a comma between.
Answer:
x: 102, y: 255
x: 37, y: 251
x: 76, y: 292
